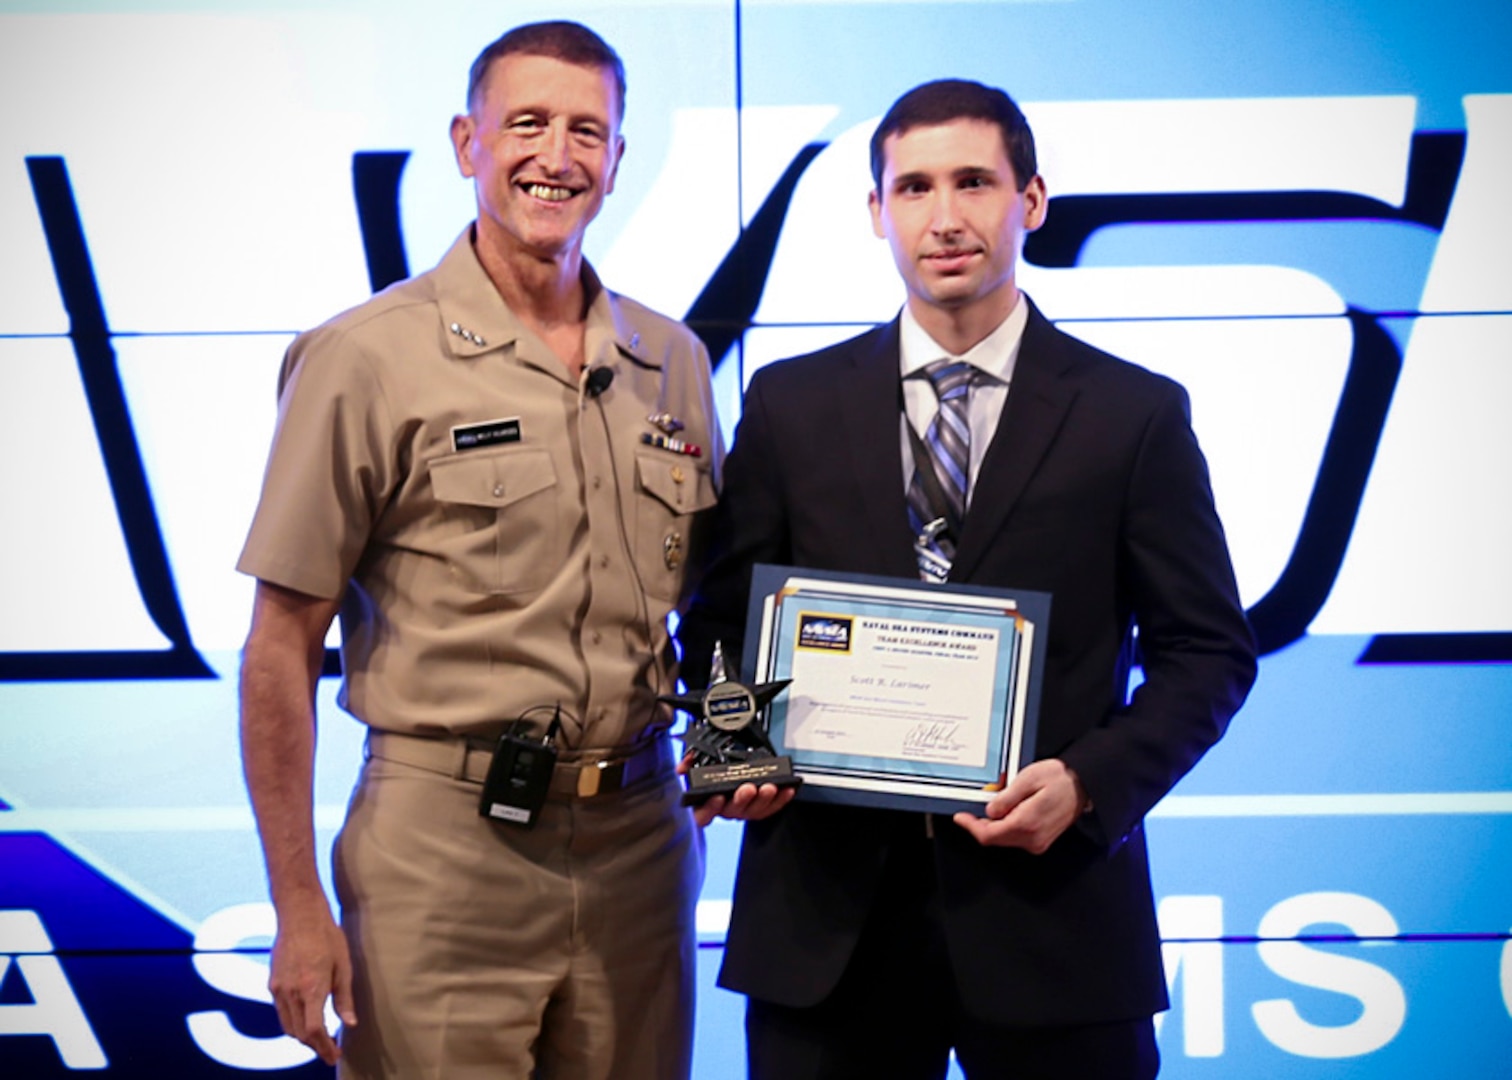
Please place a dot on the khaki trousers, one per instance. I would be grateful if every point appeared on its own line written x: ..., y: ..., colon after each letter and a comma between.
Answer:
x: 482, y: 949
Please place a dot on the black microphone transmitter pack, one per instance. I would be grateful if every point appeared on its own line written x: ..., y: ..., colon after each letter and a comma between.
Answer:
x: 518, y: 780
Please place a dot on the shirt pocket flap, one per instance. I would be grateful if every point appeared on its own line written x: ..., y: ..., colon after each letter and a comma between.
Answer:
x: 679, y: 484
x: 497, y: 480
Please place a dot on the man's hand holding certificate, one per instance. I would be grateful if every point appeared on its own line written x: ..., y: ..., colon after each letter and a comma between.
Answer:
x: 1041, y: 802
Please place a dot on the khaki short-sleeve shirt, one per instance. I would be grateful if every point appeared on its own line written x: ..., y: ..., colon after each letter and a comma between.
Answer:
x: 502, y: 540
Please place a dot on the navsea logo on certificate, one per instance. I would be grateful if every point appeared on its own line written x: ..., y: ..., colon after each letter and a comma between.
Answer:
x: 832, y: 633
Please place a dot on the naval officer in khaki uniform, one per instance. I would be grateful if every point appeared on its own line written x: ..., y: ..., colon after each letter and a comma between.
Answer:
x: 497, y: 474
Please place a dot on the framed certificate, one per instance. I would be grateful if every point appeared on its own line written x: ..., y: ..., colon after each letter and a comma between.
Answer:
x: 902, y: 695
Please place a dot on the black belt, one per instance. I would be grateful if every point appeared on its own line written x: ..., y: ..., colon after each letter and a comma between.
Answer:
x: 579, y: 774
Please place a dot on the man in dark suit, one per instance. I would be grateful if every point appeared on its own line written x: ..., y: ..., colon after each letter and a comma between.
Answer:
x: 872, y: 942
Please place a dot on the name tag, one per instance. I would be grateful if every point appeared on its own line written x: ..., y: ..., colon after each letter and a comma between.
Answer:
x: 488, y: 433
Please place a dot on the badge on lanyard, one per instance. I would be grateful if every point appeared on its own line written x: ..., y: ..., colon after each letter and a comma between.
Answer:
x: 934, y: 567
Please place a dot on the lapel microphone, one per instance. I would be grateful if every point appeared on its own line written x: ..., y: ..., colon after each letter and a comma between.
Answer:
x: 597, y: 380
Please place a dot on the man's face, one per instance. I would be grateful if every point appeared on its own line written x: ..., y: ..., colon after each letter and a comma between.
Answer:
x: 541, y: 144
x: 950, y: 209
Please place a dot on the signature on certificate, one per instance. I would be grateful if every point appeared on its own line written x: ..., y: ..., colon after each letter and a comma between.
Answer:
x: 931, y: 737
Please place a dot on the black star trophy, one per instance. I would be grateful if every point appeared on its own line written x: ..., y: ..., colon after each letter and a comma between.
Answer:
x: 728, y: 740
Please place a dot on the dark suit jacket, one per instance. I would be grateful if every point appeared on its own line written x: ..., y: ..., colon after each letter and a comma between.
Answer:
x: 1094, y: 490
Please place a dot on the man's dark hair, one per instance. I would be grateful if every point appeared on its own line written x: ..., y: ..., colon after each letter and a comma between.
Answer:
x: 570, y: 42
x: 944, y: 100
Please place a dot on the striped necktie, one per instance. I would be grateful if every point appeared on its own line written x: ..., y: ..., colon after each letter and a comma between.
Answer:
x: 949, y: 443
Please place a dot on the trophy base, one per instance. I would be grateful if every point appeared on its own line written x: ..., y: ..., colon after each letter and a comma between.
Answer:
x: 705, y: 781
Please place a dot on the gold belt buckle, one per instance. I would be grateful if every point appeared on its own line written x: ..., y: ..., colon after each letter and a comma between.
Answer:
x: 598, y: 777
x: 588, y: 779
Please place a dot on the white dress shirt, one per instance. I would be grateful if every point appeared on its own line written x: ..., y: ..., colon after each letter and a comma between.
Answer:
x: 994, y: 357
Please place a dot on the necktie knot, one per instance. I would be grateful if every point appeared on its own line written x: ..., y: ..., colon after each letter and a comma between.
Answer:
x: 950, y: 378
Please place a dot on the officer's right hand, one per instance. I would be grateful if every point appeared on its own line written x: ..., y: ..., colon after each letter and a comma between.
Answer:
x: 311, y: 963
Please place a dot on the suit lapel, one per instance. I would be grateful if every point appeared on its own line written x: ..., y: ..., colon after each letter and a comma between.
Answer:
x: 870, y: 408
x: 1037, y: 404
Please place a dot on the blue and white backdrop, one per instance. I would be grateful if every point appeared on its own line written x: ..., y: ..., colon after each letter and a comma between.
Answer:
x: 1299, y: 209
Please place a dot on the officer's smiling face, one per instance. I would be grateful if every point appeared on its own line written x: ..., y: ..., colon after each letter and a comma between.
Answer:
x: 541, y: 143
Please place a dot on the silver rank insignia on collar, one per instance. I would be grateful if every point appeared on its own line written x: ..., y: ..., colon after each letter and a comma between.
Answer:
x: 467, y: 335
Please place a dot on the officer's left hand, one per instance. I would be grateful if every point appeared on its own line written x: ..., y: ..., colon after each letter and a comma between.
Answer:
x: 747, y: 803
x: 1038, y: 805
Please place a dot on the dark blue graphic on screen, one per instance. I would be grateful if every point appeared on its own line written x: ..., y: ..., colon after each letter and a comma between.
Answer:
x: 91, y: 978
